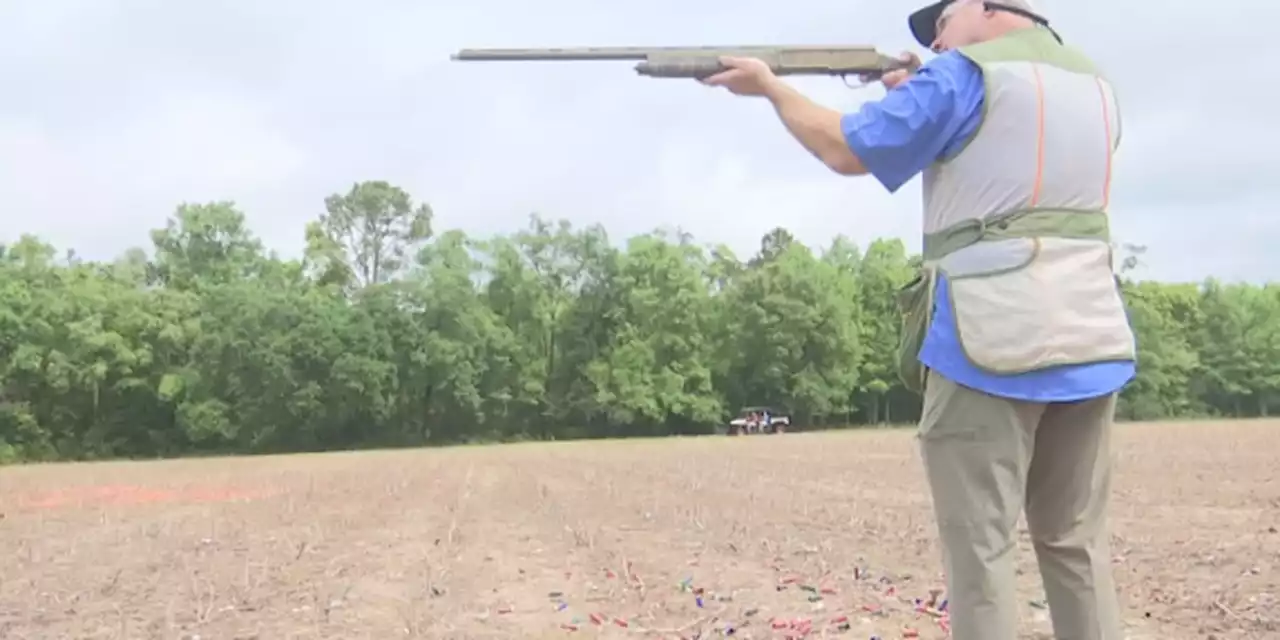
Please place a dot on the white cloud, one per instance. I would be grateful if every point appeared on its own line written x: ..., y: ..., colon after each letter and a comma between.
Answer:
x: 127, y: 109
x: 196, y: 144
x: 110, y: 187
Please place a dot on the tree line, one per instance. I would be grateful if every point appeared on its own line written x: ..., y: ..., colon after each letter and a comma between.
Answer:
x: 388, y: 333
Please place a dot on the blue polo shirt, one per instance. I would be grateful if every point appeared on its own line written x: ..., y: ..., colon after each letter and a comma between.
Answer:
x: 917, y: 122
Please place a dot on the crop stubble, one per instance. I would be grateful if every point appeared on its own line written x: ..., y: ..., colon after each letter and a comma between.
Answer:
x: 487, y: 542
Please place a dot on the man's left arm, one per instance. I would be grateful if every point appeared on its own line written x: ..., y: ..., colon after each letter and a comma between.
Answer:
x: 893, y: 138
x: 816, y: 127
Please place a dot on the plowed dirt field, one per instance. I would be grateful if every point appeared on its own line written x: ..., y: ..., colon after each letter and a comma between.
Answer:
x: 658, y: 538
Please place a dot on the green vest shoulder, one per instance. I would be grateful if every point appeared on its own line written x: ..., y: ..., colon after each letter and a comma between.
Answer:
x: 1033, y: 44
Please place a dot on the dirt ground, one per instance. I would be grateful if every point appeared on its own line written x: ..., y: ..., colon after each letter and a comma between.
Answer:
x: 695, y: 537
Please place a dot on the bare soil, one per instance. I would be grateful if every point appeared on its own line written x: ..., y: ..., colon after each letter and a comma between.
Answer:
x: 658, y: 538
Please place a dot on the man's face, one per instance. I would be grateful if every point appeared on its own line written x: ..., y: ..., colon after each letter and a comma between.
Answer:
x: 960, y: 24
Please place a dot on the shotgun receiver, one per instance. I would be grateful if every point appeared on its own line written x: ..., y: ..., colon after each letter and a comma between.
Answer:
x: 702, y: 62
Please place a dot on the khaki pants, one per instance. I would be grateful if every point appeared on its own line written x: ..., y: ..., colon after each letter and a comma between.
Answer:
x: 988, y: 457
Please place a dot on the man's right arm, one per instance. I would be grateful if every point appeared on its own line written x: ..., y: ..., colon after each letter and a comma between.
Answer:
x: 917, y: 121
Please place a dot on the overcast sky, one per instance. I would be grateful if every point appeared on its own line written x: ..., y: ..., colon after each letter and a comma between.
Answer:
x: 114, y: 111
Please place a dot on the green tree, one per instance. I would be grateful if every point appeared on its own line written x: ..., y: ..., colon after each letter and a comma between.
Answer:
x: 373, y: 229
x: 385, y: 333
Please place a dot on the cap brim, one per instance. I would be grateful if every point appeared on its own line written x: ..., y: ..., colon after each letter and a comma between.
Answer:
x: 924, y: 23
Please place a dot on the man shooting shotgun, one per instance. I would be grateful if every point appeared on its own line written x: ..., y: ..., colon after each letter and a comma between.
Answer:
x: 1014, y: 332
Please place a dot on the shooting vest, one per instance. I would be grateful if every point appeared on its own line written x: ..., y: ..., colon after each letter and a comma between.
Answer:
x: 1017, y: 219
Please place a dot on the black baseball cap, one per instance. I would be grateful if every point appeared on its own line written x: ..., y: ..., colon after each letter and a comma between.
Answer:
x: 924, y: 22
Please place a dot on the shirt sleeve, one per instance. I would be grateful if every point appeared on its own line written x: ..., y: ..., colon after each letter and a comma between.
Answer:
x: 903, y: 133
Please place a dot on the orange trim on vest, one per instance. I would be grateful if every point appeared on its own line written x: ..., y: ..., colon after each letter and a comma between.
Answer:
x: 1035, y: 193
x: 1106, y: 125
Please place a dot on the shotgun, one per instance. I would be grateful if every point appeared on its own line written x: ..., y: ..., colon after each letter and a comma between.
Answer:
x: 703, y: 61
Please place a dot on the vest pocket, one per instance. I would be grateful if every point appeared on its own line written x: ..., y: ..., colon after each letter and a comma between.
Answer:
x: 1028, y: 304
x: 915, y: 304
